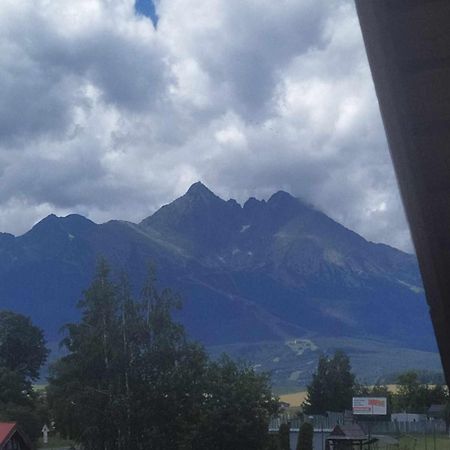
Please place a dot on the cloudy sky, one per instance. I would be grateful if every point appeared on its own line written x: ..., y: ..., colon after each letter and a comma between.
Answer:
x: 110, y: 113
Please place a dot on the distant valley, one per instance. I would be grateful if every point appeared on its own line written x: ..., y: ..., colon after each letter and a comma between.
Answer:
x: 274, y: 281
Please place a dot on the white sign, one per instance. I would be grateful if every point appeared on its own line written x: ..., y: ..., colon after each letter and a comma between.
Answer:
x: 45, y: 431
x: 373, y: 406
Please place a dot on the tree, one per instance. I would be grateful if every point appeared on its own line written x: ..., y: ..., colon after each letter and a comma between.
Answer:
x: 380, y: 390
x: 22, y: 345
x: 332, y: 387
x: 409, y: 392
x: 132, y: 379
x: 414, y: 396
x: 85, y: 374
x: 22, y: 353
x: 437, y: 395
x: 285, y: 436
x: 305, y: 437
x: 272, y: 442
x: 236, y: 409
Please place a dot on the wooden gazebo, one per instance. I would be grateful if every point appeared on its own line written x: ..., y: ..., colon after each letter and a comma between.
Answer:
x: 348, y: 437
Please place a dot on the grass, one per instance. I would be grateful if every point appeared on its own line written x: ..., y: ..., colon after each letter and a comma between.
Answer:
x: 421, y: 442
x: 55, y: 442
x: 291, y: 365
x: 39, y: 387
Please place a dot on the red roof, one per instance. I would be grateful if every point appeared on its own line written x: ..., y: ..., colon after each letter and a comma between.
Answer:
x: 6, y: 431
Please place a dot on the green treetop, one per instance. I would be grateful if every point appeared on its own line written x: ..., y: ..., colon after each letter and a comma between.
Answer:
x: 22, y: 345
x: 22, y: 353
x: 132, y: 379
x: 332, y: 386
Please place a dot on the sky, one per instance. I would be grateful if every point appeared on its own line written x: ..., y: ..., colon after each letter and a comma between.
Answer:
x: 111, y: 109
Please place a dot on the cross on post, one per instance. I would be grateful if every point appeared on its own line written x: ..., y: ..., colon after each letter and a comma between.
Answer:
x: 45, y: 431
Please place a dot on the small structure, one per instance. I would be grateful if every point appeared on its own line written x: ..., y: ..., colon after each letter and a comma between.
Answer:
x: 436, y: 411
x: 405, y: 417
x: 284, y: 405
x: 13, y: 438
x: 348, y: 437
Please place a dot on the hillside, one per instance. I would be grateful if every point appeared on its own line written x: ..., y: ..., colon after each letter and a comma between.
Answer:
x: 266, y: 271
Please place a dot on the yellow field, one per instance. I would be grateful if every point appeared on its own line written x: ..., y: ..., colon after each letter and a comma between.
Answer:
x: 297, y: 398
x: 294, y: 399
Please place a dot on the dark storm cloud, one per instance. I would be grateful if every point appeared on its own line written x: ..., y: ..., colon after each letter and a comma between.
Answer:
x: 104, y: 115
x: 46, y: 70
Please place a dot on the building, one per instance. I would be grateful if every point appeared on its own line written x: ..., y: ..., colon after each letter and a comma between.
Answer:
x: 13, y: 438
x: 348, y: 437
x: 436, y: 411
x: 284, y: 405
x: 405, y: 417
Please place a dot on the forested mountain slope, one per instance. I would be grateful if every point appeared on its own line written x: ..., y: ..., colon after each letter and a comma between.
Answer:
x: 265, y: 271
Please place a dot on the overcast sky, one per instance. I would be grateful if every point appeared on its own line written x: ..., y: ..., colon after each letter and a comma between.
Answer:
x: 106, y: 115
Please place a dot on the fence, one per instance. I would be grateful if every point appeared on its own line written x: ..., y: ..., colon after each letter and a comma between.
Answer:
x: 420, y: 427
x: 320, y: 423
x: 327, y: 423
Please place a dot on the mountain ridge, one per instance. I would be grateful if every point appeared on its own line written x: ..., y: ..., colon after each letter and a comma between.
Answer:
x: 265, y: 270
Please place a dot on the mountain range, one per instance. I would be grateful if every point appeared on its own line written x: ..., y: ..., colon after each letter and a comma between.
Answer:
x: 265, y: 271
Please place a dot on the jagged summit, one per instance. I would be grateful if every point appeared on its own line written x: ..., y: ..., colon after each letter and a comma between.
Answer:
x: 206, y: 226
x: 199, y: 199
x: 282, y: 199
x: 47, y: 219
x: 280, y: 195
x: 199, y: 193
x: 198, y: 221
x: 199, y: 188
x: 287, y: 200
x: 52, y: 221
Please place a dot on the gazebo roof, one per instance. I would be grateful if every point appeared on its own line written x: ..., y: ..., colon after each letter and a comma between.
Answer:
x: 348, y: 432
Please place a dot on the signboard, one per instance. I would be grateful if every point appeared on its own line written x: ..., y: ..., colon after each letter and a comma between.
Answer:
x: 372, y: 406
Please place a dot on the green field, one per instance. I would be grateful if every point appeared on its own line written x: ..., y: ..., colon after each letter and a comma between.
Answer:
x: 421, y: 442
x: 291, y: 363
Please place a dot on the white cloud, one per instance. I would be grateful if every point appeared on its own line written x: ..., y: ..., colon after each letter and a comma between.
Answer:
x: 103, y: 115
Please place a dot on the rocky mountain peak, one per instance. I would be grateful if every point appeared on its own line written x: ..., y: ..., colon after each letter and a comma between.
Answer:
x: 198, y: 188
x: 282, y: 198
x: 199, y: 192
x: 46, y: 223
x: 269, y: 270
